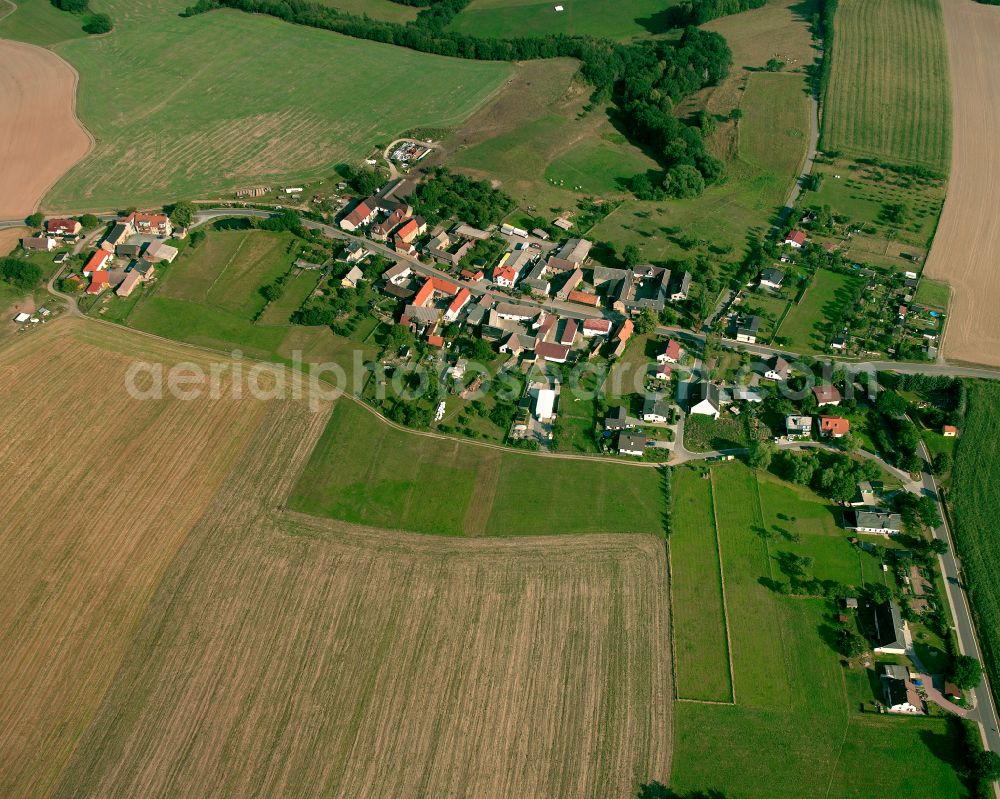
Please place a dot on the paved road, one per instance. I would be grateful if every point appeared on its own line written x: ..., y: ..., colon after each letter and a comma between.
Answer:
x: 986, y: 711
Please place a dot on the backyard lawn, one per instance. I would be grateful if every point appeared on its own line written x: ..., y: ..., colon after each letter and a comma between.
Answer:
x: 808, y: 325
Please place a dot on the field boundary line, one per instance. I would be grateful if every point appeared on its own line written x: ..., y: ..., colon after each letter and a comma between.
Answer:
x: 670, y: 611
x: 715, y: 702
x: 722, y: 586
x: 228, y: 264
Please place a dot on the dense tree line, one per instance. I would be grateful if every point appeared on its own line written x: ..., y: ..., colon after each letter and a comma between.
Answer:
x: 644, y: 79
x: 93, y: 23
x: 448, y: 196
x: 698, y: 12
x: 22, y: 275
x: 823, y: 29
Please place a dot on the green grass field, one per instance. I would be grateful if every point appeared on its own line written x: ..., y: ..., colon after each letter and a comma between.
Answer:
x: 771, y: 145
x: 376, y: 9
x: 933, y: 293
x: 701, y: 650
x: 191, y: 118
x: 209, y: 296
x: 806, y: 324
x: 975, y: 498
x: 794, y: 730
x: 511, y: 18
x: 366, y: 472
x: 296, y: 291
x: 39, y: 22
x: 889, y: 94
x: 596, y: 167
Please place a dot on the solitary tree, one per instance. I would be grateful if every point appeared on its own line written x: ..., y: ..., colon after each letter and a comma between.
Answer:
x: 760, y: 455
x: 646, y: 321
x: 89, y: 221
x: 985, y: 765
x: 631, y: 255
x: 881, y: 593
x: 182, y: 214
x: 966, y: 672
x: 35, y: 220
x: 938, y: 547
x: 850, y: 644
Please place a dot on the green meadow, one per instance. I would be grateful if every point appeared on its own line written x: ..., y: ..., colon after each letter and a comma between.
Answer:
x: 805, y: 325
x: 194, y: 108
x: 367, y: 472
x: 794, y: 730
x: 512, y: 18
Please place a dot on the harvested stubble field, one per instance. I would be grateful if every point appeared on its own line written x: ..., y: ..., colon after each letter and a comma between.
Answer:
x: 99, y: 492
x: 968, y: 238
x: 42, y: 138
x: 888, y: 94
x: 292, y: 656
x: 277, y: 102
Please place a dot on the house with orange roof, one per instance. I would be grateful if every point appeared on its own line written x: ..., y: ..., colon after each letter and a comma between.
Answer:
x: 584, y: 298
x: 834, y: 426
x: 150, y: 224
x: 505, y: 277
x: 62, y: 227
x: 622, y: 336
x: 457, y: 304
x: 97, y: 262
x: 98, y: 282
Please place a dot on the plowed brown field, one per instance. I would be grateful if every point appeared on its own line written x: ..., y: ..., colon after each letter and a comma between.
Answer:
x: 40, y: 136
x: 966, y: 250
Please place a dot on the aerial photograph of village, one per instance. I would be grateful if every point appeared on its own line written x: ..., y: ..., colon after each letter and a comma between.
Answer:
x: 500, y: 399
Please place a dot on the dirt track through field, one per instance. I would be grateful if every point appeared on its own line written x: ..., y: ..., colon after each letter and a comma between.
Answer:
x: 40, y: 136
x: 966, y: 250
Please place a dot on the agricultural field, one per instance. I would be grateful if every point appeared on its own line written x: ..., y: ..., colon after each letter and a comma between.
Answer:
x: 701, y: 647
x: 41, y: 134
x: 39, y: 22
x: 434, y: 666
x: 968, y: 238
x: 763, y: 151
x: 806, y: 327
x: 278, y: 102
x: 974, y: 499
x: 794, y: 730
x: 889, y: 90
x: 513, y: 18
x: 100, y: 491
x: 365, y: 472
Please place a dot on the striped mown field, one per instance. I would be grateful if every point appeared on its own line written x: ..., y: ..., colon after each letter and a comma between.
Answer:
x: 889, y: 94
